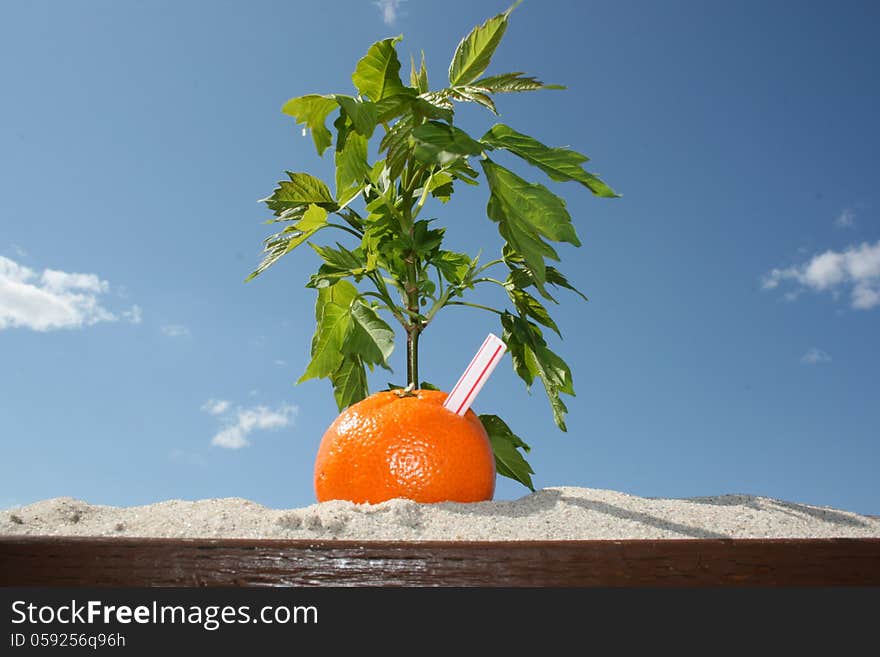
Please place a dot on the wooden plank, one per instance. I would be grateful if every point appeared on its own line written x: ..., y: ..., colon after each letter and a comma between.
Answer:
x: 50, y: 561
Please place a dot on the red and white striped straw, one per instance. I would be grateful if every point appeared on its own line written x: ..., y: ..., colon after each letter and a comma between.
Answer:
x: 471, y: 382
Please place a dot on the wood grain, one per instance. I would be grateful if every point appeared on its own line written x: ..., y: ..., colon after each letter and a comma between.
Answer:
x: 50, y: 561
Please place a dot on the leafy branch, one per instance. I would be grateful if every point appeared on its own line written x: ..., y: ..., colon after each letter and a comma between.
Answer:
x: 393, y: 262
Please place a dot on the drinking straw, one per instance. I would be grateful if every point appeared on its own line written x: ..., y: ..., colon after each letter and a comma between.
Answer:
x: 479, y: 369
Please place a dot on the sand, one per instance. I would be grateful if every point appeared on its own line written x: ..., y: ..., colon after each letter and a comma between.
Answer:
x: 564, y: 513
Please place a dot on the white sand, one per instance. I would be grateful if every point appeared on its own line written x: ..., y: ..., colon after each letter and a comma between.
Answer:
x: 552, y: 513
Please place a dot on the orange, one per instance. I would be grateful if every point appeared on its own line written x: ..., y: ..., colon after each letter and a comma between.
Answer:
x: 389, y: 445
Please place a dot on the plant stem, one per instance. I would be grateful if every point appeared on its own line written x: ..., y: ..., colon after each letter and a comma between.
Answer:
x: 486, y: 279
x: 386, y: 297
x: 346, y: 229
x: 412, y: 357
x: 440, y: 303
x: 424, y: 196
x: 412, y: 298
x: 474, y: 305
x: 488, y: 265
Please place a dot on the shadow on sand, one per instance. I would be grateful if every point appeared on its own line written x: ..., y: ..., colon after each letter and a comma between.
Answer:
x: 790, y: 508
x: 546, y: 499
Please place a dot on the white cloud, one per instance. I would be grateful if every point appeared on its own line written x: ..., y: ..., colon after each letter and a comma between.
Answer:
x: 846, y: 219
x: 388, y: 8
x: 215, y: 406
x: 280, y: 363
x: 62, y: 281
x: 135, y: 315
x: 865, y: 297
x: 856, y: 269
x: 244, y: 421
x: 175, y: 331
x: 53, y: 299
x: 815, y: 356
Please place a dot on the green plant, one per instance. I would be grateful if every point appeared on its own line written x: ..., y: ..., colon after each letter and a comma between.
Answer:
x: 397, y: 255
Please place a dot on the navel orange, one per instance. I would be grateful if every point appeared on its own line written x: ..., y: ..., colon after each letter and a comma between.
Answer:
x: 396, y: 445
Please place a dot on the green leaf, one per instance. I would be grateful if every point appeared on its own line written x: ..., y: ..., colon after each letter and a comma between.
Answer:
x: 528, y: 306
x: 509, y: 461
x: 532, y: 358
x: 463, y: 171
x: 418, y: 79
x: 352, y: 170
x: 349, y: 382
x: 343, y: 129
x: 391, y: 107
x: 453, y: 266
x: 426, y: 289
x: 380, y: 178
x: 363, y: 114
x: 440, y: 143
x: 377, y: 74
x: 339, y: 258
x: 474, y: 52
x: 311, y: 220
x: 422, y: 85
x: 531, y: 203
x: 312, y: 110
x: 553, y: 370
x: 439, y: 98
x: 550, y: 368
x: 427, y: 386
x: 275, y: 247
x: 301, y: 189
x: 561, y: 164
x: 425, y: 239
x: 525, y: 213
x: 516, y: 336
x: 396, y: 145
x: 333, y: 316
x: 473, y: 95
x: 369, y: 337
x: 342, y: 263
x: 381, y: 223
x: 440, y: 186
x: 426, y: 109
x: 352, y: 218
x: 520, y: 236
x: 556, y: 278
x: 413, y: 73
x: 511, y: 82
x: 339, y: 263
x: 523, y: 278
x: 290, y: 214
x: 529, y: 350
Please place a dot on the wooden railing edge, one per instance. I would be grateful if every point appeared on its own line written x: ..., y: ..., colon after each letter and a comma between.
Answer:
x: 127, y: 561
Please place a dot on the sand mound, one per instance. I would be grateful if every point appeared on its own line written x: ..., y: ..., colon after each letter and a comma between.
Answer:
x: 553, y: 513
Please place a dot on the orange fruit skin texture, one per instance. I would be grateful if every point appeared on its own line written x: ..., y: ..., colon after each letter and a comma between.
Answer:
x: 388, y: 446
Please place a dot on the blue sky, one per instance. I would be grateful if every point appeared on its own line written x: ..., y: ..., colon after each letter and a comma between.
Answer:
x: 730, y: 344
